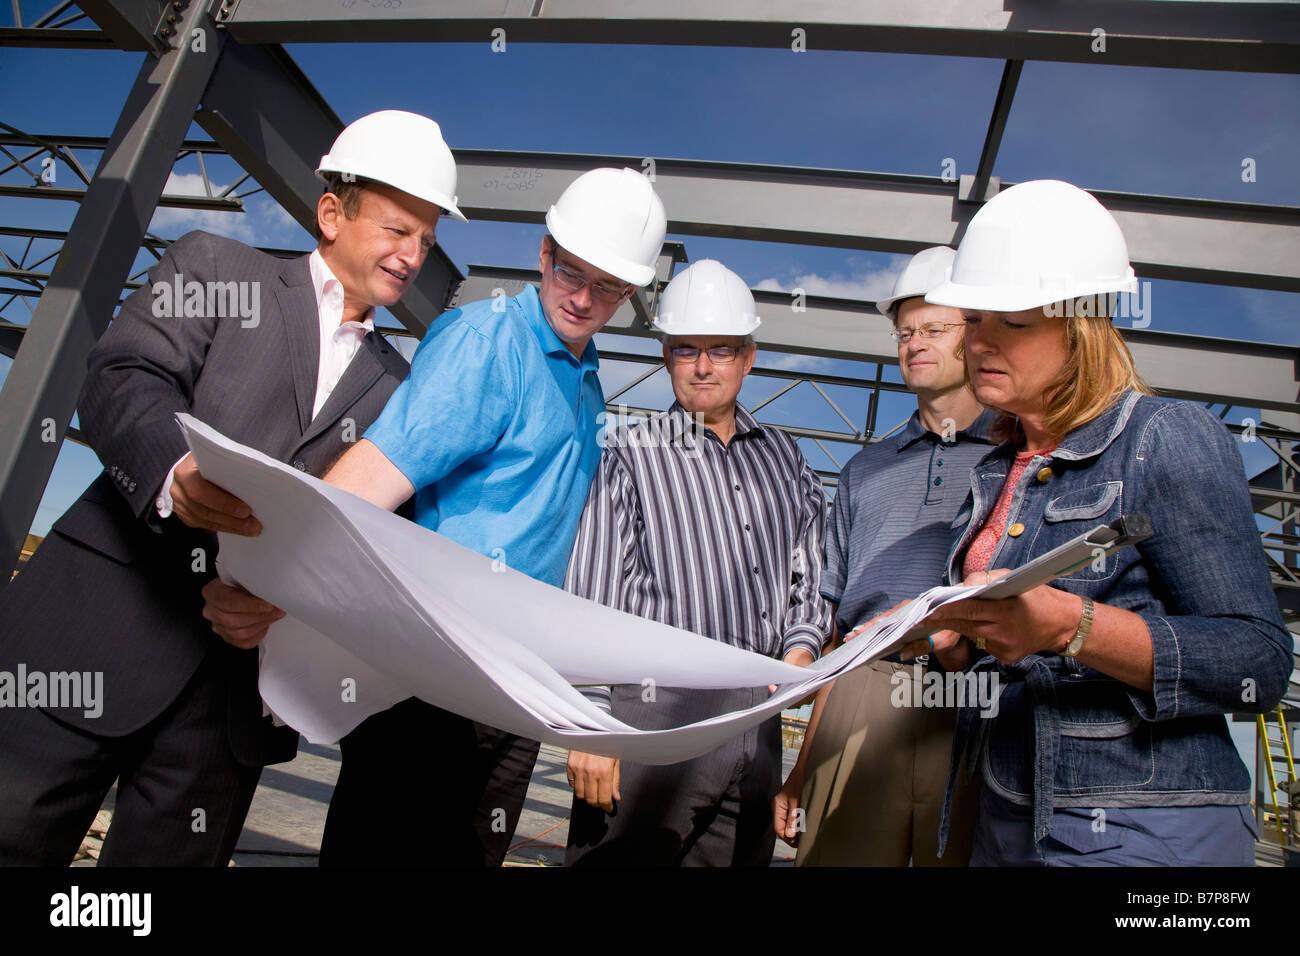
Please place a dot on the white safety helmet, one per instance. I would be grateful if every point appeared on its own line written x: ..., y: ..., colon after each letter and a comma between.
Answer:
x: 612, y: 219
x: 924, y: 272
x: 400, y: 149
x: 1034, y: 244
x: 707, y: 299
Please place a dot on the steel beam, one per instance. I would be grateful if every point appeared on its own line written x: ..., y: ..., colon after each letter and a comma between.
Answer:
x: 979, y: 190
x: 270, y: 119
x: 11, y: 137
x: 49, y: 38
x: 212, y: 203
x: 1190, y: 240
x: 46, y: 376
x: 1248, y: 37
x: 131, y: 23
x: 1243, y: 374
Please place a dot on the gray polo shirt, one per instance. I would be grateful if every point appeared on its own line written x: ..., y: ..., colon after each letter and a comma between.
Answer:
x: 891, y: 524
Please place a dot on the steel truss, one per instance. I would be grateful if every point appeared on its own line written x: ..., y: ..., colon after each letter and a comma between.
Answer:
x: 276, y: 136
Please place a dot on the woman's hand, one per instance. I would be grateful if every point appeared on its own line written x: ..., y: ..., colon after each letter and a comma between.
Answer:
x: 1042, y: 619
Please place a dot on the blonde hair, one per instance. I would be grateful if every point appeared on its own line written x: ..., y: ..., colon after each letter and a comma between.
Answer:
x: 1098, y: 369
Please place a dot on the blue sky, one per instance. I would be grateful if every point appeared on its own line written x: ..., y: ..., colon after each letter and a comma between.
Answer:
x: 1175, y: 132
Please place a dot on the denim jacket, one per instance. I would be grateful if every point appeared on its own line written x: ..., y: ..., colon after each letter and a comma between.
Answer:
x: 1069, y: 736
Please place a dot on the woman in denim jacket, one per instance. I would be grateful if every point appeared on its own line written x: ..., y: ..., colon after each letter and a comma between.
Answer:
x: 1109, y: 744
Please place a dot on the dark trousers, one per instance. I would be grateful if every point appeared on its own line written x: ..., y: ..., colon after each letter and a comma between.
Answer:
x: 714, y: 810
x: 181, y: 795
x: 420, y: 785
x: 505, y: 767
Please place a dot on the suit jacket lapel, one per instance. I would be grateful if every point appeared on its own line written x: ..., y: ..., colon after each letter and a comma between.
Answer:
x: 362, y: 372
x: 301, y: 316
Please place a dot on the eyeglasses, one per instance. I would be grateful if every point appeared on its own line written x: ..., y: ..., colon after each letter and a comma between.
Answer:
x: 573, y: 282
x: 718, y: 354
x: 903, y: 336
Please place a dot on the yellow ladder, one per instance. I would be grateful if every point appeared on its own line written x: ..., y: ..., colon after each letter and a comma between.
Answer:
x: 1282, y: 740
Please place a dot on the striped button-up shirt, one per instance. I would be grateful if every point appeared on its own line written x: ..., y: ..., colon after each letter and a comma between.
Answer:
x: 722, y: 540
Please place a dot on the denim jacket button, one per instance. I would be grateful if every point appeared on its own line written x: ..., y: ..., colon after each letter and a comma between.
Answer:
x: 1044, y: 474
x: 1016, y: 530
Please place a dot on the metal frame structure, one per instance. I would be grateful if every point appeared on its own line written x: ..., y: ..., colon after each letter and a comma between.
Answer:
x: 276, y: 136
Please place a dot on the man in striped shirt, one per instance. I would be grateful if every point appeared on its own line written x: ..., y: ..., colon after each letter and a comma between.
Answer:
x: 706, y: 520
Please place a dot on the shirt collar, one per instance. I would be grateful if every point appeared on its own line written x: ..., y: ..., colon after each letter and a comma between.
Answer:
x: 324, y: 283
x: 1092, y: 438
x: 551, y: 343
x: 683, y: 422
x: 979, y: 430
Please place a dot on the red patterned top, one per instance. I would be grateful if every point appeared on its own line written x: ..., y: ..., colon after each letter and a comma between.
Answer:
x: 980, y: 552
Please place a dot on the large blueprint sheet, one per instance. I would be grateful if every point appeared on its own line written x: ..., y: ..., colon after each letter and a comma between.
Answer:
x: 380, y: 609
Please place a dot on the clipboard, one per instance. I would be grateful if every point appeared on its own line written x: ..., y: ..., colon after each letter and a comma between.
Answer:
x: 1129, y: 529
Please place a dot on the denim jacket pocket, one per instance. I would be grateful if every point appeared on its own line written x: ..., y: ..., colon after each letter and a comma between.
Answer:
x: 1105, y: 744
x: 1088, y: 506
x: 1091, y: 501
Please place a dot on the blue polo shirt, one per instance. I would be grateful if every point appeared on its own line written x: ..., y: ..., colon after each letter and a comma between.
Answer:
x: 496, y: 429
x: 890, y: 527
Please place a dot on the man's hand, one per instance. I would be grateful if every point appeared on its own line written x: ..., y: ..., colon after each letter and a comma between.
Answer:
x: 785, y: 818
x: 237, y: 617
x: 201, y: 504
x: 872, y: 623
x: 594, y: 779
x: 799, y: 657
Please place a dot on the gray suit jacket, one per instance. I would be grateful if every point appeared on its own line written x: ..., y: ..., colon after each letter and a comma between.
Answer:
x: 114, y: 588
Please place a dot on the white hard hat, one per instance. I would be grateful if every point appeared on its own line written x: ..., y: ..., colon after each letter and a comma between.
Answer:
x: 1034, y: 244
x: 707, y: 299
x: 613, y: 220
x: 924, y: 272
x: 400, y: 149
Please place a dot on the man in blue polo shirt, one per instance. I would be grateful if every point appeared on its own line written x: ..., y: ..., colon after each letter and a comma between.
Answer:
x: 495, y: 434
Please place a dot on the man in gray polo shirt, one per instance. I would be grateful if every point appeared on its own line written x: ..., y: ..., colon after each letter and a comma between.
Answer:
x: 871, y: 774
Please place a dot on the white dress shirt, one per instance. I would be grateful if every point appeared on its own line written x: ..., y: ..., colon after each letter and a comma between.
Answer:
x: 339, y: 342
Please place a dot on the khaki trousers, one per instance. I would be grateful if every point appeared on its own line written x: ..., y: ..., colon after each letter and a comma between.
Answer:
x: 874, y: 787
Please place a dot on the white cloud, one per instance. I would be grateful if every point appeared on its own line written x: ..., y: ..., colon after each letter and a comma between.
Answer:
x: 262, y: 223
x: 869, y: 285
x: 791, y: 363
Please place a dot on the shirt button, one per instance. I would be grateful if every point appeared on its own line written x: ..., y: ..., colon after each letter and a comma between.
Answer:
x: 1016, y: 530
x: 1044, y: 474
x: 938, y: 481
x: 300, y: 464
x: 737, y: 487
x: 756, y: 570
x: 746, y: 527
x: 763, y: 615
x: 939, y: 462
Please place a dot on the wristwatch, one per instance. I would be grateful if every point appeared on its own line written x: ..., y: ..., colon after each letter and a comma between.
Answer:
x: 1073, y: 648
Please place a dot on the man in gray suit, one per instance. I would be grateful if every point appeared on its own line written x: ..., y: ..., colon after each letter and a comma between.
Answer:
x: 279, y: 355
